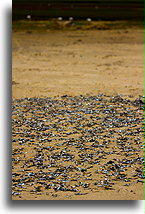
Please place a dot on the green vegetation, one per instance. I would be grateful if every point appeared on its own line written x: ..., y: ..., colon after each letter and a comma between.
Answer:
x: 54, y: 24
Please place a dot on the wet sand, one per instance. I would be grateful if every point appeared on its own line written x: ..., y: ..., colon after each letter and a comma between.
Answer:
x: 57, y: 63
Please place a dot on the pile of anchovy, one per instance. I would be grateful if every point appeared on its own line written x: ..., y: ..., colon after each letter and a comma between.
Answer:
x: 76, y: 144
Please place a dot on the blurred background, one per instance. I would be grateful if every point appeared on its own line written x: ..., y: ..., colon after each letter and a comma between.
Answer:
x: 78, y: 9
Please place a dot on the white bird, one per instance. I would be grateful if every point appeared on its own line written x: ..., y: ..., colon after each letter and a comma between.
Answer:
x: 71, y: 18
x: 29, y: 17
x: 60, y: 18
x: 89, y: 19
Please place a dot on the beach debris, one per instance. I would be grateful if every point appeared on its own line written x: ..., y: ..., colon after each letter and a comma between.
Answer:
x: 76, y: 144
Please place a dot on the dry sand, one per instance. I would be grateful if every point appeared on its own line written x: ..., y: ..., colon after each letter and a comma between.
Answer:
x: 78, y: 62
x: 55, y: 63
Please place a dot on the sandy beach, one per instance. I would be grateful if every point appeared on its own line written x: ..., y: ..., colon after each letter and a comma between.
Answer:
x: 64, y: 65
